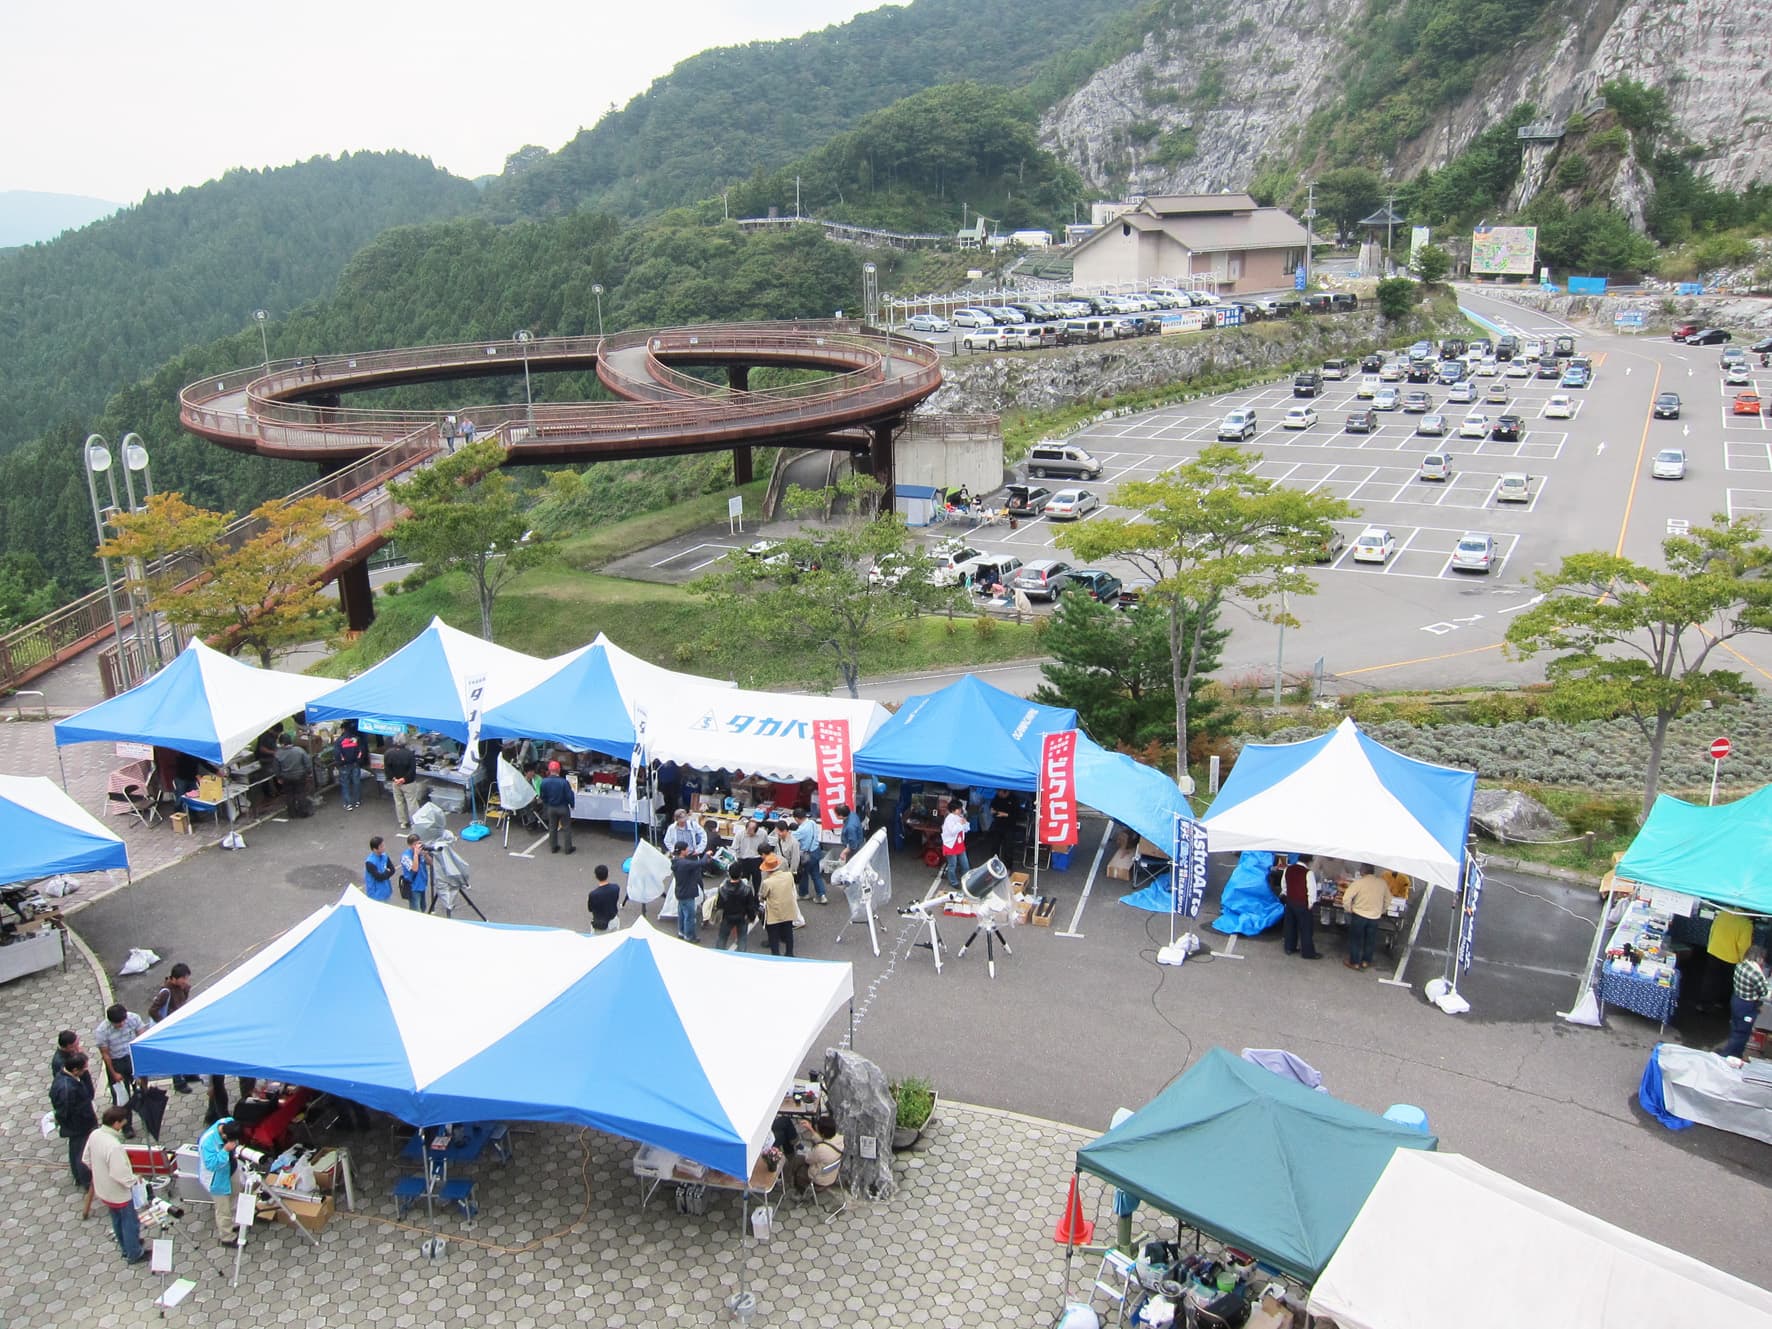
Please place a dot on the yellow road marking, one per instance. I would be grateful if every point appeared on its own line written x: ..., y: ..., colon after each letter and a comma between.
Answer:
x: 1421, y: 659
x: 1637, y: 474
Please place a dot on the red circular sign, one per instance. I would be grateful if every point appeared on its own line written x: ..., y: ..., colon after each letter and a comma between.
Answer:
x: 1719, y: 748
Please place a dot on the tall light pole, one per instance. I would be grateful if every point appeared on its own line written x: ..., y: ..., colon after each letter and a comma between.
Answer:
x: 597, y: 290
x: 135, y: 462
x: 1280, y: 650
x: 523, y: 337
x: 263, y: 316
x: 95, y: 456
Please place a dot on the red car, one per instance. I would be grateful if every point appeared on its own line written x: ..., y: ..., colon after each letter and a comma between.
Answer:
x: 1684, y: 330
x: 1746, y: 403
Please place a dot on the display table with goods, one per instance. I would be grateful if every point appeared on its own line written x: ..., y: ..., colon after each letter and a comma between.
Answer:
x: 655, y: 1167
x: 30, y: 932
x: 1332, y: 907
x: 1637, y: 971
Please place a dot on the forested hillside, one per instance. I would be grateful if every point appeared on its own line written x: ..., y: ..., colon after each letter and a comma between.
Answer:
x: 914, y: 164
x: 729, y: 114
x: 103, y: 305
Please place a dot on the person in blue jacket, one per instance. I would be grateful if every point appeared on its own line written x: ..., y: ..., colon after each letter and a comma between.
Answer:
x: 415, y: 872
x: 378, y: 872
x: 215, y: 1150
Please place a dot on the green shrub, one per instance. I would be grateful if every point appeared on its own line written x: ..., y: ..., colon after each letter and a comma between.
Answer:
x: 1602, y: 816
x: 984, y: 627
x: 916, y: 1100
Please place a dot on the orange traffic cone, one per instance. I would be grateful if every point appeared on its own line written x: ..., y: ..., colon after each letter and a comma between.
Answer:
x: 1073, y: 1228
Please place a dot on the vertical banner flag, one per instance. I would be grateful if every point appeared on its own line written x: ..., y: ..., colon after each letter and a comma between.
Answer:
x: 836, y: 782
x: 1188, y: 874
x: 1467, y: 924
x: 1058, y: 788
x: 473, y: 688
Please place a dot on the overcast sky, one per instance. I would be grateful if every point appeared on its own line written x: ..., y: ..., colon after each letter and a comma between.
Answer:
x: 114, y: 100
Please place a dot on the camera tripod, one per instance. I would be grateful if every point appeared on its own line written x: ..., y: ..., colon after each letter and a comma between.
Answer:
x: 253, y: 1187
x: 993, y: 938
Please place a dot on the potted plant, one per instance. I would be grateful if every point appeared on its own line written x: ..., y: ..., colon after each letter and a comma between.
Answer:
x: 916, y: 1107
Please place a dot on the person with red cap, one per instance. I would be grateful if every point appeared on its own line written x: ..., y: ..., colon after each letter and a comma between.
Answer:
x: 556, y: 808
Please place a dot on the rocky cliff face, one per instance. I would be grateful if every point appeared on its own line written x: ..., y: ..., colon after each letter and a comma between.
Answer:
x: 1195, y: 110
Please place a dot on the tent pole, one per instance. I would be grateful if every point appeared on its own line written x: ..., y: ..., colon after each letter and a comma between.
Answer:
x: 62, y: 762
x: 1070, y: 1245
x: 1035, y: 829
x: 1457, y: 929
x: 852, y: 1024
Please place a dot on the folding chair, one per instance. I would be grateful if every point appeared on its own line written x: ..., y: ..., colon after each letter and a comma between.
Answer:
x: 136, y: 799
x: 824, y: 1179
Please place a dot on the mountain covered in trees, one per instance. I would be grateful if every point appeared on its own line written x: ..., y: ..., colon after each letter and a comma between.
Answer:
x: 732, y: 113
x: 101, y: 306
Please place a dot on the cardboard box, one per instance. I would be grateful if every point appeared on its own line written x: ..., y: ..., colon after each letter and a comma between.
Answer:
x: 181, y: 823
x: 1119, y: 867
x: 1044, y: 910
x: 311, y: 1214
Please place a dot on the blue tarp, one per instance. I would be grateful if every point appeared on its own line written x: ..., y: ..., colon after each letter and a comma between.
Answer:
x: 1157, y: 898
x: 971, y: 733
x: 1649, y: 1094
x: 43, y: 832
x: 580, y: 707
x: 1248, y: 906
x: 1717, y: 853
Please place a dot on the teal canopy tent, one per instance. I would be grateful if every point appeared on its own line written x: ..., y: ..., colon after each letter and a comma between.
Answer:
x: 1718, y: 854
x: 1260, y: 1162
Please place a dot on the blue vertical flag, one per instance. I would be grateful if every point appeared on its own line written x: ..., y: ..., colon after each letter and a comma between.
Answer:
x: 1189, y: 874
x: 1467, y: 923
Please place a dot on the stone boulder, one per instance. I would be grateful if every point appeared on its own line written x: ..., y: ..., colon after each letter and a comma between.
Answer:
x: 1508, y: 815
x: 858, y: 1096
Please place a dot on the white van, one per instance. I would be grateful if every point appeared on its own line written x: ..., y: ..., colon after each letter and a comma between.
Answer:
x: 1062, y: 459
x: 1091, y: 329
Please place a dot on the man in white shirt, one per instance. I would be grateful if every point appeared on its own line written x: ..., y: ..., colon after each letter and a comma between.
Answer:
x: 953, y: 841
x: 683, y: 831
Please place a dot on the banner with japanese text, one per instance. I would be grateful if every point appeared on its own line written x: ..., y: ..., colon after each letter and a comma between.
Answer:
x: 1189, y: 867
x: 1058, y: 788
x: 836, y: 780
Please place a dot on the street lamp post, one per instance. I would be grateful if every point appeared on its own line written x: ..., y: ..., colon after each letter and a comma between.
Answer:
x: 135, y: 462
x: 95, y: 456
x: 523, y: 337
x: 263, y: 316
x: 597, y: 290
x: 1280, y: 649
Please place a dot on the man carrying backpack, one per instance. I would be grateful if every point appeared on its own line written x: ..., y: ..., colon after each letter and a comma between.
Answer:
x: 167, y: 1000
x: 737, y: 903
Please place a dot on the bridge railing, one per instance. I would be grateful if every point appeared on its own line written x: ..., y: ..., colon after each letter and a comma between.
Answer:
x: 34, y: 648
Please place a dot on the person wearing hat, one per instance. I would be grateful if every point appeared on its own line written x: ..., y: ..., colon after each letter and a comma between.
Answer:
x: 556, y: 808
x: 779, y: 905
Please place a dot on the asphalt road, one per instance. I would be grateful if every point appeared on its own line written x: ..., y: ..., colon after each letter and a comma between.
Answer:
x: 1080, y: 1020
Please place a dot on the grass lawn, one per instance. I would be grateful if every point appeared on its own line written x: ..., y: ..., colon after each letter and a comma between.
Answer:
x: 604, y: 543
x: 553, y: 610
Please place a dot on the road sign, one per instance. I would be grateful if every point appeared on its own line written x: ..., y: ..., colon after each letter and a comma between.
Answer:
x: 1719, y: 749
x: 1298, y: 280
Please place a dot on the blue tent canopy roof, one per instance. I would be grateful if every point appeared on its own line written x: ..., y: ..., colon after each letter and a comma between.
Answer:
x: 1717, y: 853
x: 1262, y: 1162
x: 580, y: 706
x: 43, y: 832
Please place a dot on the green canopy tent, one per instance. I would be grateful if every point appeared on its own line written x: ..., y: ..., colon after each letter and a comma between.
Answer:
x: 1252, y: 1158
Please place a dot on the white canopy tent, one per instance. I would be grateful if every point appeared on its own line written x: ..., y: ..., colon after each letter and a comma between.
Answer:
x: 1444, y: 1241
x: 760, y: 733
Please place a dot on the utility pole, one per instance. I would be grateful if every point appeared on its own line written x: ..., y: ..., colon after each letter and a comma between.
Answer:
x: 1310, y: 225
x: 796, y: 197
x: 1390, y: 226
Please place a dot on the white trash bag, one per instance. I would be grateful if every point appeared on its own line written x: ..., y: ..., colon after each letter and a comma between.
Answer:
x: 139, y: 962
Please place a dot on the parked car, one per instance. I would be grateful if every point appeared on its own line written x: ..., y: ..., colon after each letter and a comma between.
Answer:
x: 1499, y: 394
x: 1369, y: 386
x: 1487, y: 367
x: 1738, y: 375
x: 1299, y: 417
x: 1330, y: 545
x: 1560, y: 408
x: 1474, y: 425
x: 1099, y: 585
x: 1422, y: 371
x: 1762, y: 347
x: 1386, y: 399
x: 1480, y: 347
x: 1710, y: 337
x: 1237, y: 425
x: 1005, y: 315
x: 1563, y: 347
x: 1375, y: 544
x: 1362, y: 421
x: 1342, y: 301
x: 1667, y: 406
x: 1508, y: 428
x: 1745, y: 403
x: 1307, y: 383
x: 1070, y: 504
x: 926, y: 323
x: 1431, y: 425
x: 1452, y: 371
x: 1451, y: 348
x: 1040, y: 579
x: 1670, y: 464
x: 1026, y: 500
x: 1436, y: 466
x: 1393, y: 372
x: 1371, y: 364
x: 1462, y: 394
x: 972, y: 318
x: 1474, y: 552
x: 1334, y: 369
x: 992, y: 338
x: 1062, y: 459
x: 1514, y: 487
x: 1417, y: 403
x: 1684, y: 330
x: 1549, y: 367
x: 1507, y: 346
x: 950, y: 556
x: 988, y: 570
x: 1519, y: 368
x: 1575, y: 377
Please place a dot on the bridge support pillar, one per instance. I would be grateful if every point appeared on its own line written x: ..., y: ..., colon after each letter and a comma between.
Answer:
x: 738, y: 377
x: 880, y: 460
x: 355, y: 596
x: 743, y: 470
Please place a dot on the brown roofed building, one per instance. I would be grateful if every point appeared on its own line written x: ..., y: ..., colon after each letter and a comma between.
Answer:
x: 1227, y: 238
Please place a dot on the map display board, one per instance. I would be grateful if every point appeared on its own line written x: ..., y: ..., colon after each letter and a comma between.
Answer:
x: 1498, y: 250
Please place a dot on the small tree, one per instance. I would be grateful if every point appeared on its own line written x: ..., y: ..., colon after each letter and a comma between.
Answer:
x: 1114, y: 670
x: 466, y: 515
x: 814, y: 589
x: 1432, y: 263
x: 261, y: 593
x: 1396, y: 297
x: 1209, y: 532
x: 1637, y: 641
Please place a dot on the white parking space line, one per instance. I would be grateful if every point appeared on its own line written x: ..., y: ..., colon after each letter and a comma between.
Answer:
x: 1740, y: 456
x: 1743, y: 502
x: 697, y: 551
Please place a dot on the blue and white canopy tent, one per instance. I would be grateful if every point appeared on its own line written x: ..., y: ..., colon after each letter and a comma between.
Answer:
x: 436, y: 682
x: 971, y: 733
x: 369, y: 1001
x: 44, y: 832
x: 203, y: 703
x: 1346, y: 795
